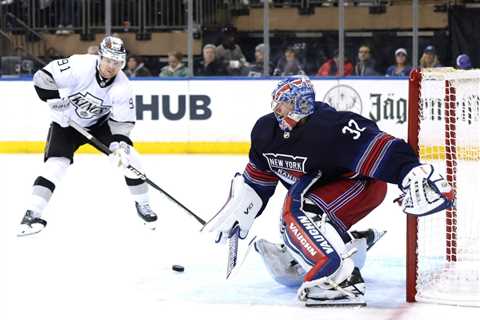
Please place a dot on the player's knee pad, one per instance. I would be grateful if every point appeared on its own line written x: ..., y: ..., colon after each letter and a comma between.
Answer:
x: 54, y: 169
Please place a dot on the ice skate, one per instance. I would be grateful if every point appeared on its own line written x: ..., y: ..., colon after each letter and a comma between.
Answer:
x: 371, y: 235
x: 348, y: 293
x: 145, y: 212
x: 31, y: 224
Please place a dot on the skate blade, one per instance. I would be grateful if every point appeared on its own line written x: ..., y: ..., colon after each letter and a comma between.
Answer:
x: 380, y: 236
x: 339, y: 303
x: 24, y: 231
x: 150, y: 225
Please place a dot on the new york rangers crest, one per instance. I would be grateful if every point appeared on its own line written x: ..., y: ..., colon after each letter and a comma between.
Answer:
x: 287, y: 167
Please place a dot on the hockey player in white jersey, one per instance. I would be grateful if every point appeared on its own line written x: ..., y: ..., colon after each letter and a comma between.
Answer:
x: 94, y: 92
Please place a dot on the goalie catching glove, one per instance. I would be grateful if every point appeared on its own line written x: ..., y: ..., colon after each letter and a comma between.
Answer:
x: 425, y: 191
x: 241, y: 209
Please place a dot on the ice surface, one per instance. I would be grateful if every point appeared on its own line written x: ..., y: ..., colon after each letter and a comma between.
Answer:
x: 95, y: 259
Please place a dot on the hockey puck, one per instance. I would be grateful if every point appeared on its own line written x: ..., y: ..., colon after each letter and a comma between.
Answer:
x: 178, y: 268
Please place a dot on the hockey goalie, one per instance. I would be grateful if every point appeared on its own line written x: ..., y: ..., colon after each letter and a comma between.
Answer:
x: 336, y: 166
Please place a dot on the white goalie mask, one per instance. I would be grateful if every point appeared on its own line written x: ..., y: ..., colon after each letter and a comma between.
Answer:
x: 113, y: 48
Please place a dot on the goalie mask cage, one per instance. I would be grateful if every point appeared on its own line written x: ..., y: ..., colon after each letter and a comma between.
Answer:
x: 443, y: 249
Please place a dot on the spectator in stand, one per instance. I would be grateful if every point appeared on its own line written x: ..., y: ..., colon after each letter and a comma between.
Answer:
x: 288, y: 65
x: 136, y: 68
x: 210, y: 66
x: 463, y: 62
x: 400, y: 68
x: 67, y: 10
x: 429, y: 58
x: 92, y: 50
x: 45, y: 10
x: 256, y: 69
x: 366, y: 64
x: 230, y: 53
x: 175, y: 67
x: 329, y: 68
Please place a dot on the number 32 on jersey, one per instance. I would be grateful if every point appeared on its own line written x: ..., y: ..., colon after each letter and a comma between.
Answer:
x: 353, y: 128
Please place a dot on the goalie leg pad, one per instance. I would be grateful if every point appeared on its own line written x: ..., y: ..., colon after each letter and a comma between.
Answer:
x: 316, y: 245
x: 280, y: 263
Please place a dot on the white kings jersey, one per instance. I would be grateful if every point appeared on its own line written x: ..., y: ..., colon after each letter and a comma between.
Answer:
x: 91, y: 97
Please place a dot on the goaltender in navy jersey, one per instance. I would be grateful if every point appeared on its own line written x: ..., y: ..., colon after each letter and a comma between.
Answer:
x: 336, y: 166
x: 332, y: 144
x: 91, y: 97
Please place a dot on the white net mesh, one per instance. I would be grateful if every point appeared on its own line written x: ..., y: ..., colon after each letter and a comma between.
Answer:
x: 449, y: 137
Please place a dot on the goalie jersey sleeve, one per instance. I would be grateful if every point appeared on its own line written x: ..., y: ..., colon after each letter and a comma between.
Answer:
x: 257, y: 174
x: 358, y: 145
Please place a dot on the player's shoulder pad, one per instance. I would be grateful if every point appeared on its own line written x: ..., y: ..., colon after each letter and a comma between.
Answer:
x: 121, y: 81
x: 264, y: 130
x: 359, y: 119
x: 324, y: 115
x: 121, y: 87
x: 82, y: 63
x: 265, y: 124
x: 122, y: 77
x: 329, y: 116
x: 84, y: 59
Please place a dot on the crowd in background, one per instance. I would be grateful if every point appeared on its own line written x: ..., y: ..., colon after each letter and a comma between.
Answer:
x: 228, y: 59
x: 226, y: 52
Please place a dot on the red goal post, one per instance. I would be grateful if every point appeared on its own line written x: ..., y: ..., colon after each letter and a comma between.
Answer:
x: 443, y: 249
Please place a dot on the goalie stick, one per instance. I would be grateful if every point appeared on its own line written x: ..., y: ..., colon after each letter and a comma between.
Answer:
x: 241, y: 261
x: 233, y: 250
x: 104, y: 149
x: 232, y: 241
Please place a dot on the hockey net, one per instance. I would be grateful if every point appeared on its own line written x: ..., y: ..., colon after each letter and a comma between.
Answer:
x: 443, y: 249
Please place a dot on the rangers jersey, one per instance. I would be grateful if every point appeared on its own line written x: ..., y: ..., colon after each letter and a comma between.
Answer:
x: 91, y: 97
x: 330, y: 144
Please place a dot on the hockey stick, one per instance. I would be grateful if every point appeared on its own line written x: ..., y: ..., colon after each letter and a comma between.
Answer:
x: 239, y: 261
x: 232, y: 241
x: 104, y: 149
x: 233, y: 250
